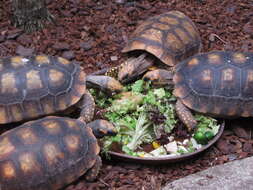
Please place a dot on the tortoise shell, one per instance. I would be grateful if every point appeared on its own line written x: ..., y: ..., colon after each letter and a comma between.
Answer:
x: 171, y: 37
x: 46, y: 154
x: 217, y: 83
x: 38, y: 85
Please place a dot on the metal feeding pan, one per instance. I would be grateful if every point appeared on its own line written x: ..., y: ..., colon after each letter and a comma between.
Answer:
x: 164, y: 159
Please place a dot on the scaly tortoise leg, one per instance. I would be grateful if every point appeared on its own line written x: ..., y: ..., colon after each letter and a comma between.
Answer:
x: 185, y: 115
x: 87, y: 106
x: 134, y: 67
x: 92, y: 173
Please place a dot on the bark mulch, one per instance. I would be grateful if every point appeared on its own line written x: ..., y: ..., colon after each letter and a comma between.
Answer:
x: 93, y: 32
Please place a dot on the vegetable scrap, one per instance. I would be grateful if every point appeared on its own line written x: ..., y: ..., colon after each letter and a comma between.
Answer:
x: 147, y: 125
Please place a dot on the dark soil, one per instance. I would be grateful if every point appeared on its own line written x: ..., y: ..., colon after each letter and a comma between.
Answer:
x: 93, y: 32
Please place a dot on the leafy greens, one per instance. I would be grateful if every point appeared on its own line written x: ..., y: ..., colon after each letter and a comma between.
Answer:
x: 141, y: 115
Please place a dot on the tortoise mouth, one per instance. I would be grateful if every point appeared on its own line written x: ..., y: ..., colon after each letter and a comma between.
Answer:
x: 112, y: 132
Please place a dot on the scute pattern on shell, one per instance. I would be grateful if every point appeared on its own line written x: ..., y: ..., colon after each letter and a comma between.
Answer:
x: 62, y: 150
x: 218, y: 83
x: 38, y: 85
x: 171, y: 37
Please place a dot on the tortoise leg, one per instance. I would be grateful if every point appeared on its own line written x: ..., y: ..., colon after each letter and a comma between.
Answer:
x: 101, y: 128
x: 134, y: 67
x: 87, y: 106
x: 185, y: 116
x: 104, y: 83
x: 92, y: 173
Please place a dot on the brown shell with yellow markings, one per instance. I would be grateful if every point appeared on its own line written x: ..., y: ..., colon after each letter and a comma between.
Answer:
x: 217, y: 83
x: 171, y: 37
x: 38, y: 85
x: 46, y: 154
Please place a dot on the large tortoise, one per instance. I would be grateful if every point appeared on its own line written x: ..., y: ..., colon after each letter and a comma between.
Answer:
x: 31, y: 87
x: 162, y: 40
x: 51, y: 152
x: 217, y: 83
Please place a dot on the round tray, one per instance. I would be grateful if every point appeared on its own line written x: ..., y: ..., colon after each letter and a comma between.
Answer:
x: 165, y: 159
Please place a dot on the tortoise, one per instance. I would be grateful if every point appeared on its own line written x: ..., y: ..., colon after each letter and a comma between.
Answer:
x: 160, y: 77
x: 217, y: 83
x: 49, y: 153
x: 35, y: 86
x: 162, y: 40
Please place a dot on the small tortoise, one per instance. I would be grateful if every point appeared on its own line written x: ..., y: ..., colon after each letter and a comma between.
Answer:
x: 49, y: 153
x: 162, y: 40
x: 35, y: 86
x: 217, y: 83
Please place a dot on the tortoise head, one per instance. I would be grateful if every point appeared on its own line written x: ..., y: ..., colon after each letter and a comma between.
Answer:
x: 160, y: 77
x: 101, y: 128
x: 105, y: 83
x: 134, y: 67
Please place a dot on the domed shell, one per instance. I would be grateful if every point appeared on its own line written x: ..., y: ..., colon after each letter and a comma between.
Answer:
x: 46, y: 154
x: 38, y: 85
x: 217, y: 83
x: 171, y: 37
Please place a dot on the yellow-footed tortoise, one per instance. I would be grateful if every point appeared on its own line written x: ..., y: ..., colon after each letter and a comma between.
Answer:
x: 162, y: 40
x: 217, y: 83
x: 51, y: 152
x: 31, y: 87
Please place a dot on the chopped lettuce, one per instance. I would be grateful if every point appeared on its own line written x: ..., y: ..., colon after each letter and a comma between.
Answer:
x: 207, y: 124
x: 158, y: 151
x: 141, y: 115
x: 141, y: 133
x: 128, y: 102
x: 150, y: 98
x: 160, y: 92
x: 138, y: 86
